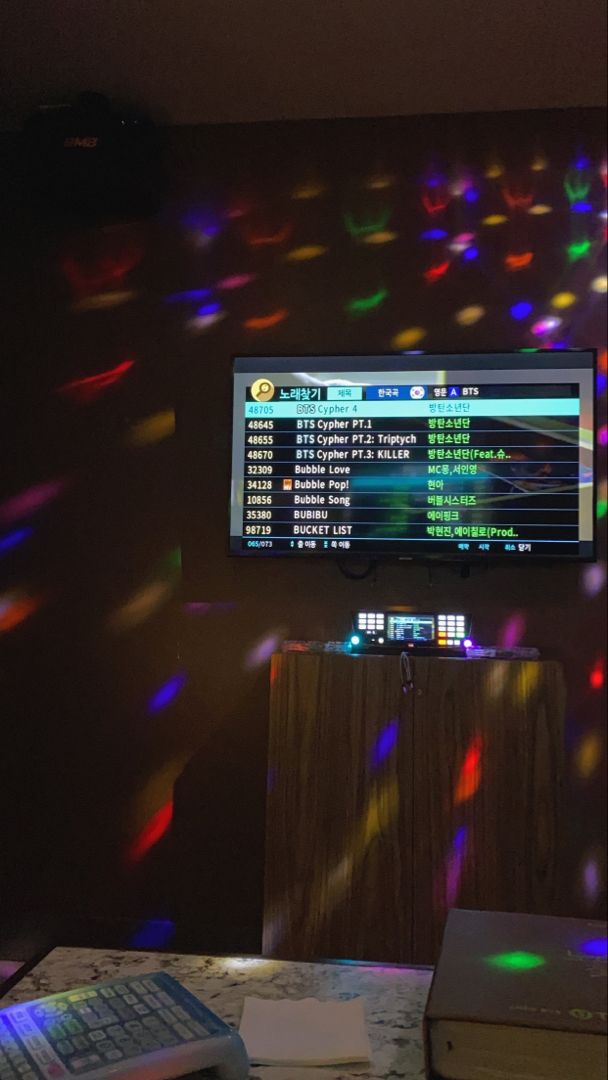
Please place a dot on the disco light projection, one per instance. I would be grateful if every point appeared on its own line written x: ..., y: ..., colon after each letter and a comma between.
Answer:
x: 153, y: 429
x: 512, y: 631
x: 385, y: 743
x: 434, y: 234
x: 436, y: 272
x: 469, y: 777
x: 594, y: 578
x: 518, y: 260
x: 517, y: 200
x: 588, y: 755
x: 461, y: 242
x: 268, y: 239
x: 140, y: 606
x: 152, y: 832
x: 103, y: 275
x: 597, y: 947
x: 596, y: 675
x: 576, y: 188
x: 407, y: 339
x: 266, y: 322
x: 167, y: 693
x: 204, y: 320
x: 235, y: 281
x: 602, y: 437
x: 14, y: 539
x: 262, y: 650
x: 188, y: 296
x: 591, y: 880
x: 516, y: 961
x: 30, y: 500
x: 153, y: 934
x: 16, y: 608
x: 539, y: 163
x: 434, y: 202
x: 494, y: 170
x: 578, y: 249
x: 455, y: 865
x: 358, y: 229
x: 203, y: 227
x: 310, y: 190
x: 563, y: 300
x: 362, y: 305
x: 494, y: 219
x: 380, y: 182
x: 582, y: 207
x: 540, y: 209
x: 306, y: 253
x: 521, y: 310
x: 469, y: 316
x: 104, y: 301
x: 470, y: 253
x: 599, y: 284
x: 88, y: 389
x: 546, y: 326
x: 385, y: 236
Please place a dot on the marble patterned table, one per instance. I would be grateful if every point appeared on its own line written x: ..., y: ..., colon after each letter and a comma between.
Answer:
x: 394, y: 997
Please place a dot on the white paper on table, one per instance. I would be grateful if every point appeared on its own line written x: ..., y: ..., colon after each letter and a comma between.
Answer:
x: 306, y: 1032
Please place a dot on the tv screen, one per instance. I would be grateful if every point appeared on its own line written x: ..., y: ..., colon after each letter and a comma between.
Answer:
x: 456, y: 456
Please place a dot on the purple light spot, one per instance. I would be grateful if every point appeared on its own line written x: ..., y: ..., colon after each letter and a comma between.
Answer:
x: 167, y: 693
x: 13, y: 539
x: 470, y: 253
x: 262, y: 651
x: 591, y: 880
x: 385, y: 743
x: 595, y: 947
x: 471, y: 195
x: 512, y: 631
x: 209, y: 309
x: 460, y: 839
x: 153, y: 934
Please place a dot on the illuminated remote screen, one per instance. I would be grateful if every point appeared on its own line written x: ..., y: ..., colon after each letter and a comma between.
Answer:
x: 455, y: 456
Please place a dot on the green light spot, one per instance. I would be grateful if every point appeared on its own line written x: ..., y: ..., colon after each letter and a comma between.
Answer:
x: 366, y: 303
x: 364, y: 228
x: 516, y: 961
x: 578, y: 250
x: 528, y: 350
x: 576, y: 190
x: 602, y: 508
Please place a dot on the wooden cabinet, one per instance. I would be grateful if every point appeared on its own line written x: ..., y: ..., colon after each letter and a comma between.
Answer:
x: 384, y: 809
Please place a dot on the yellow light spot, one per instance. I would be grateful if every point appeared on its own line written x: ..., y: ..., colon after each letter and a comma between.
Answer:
x: 104, y: 300
x: 406, y: 339
x: 600, y: 284
x: 468, y: 316
x: 305, y: 253
x: 494, y: 170
x: 380, y: 182
x: 563, y: 300
x: 540, y: 208
x: 539, y: 163
x: 588, y: 754
x: 495, y: 219
x: 140, y: 606
x: 310, y: 190
x: 384, y: 236
x: 153, y: 428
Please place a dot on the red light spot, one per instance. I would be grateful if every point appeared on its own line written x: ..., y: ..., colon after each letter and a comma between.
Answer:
x: 517, y: 200
x: 104, y: 273
x: 264, y: 322
x: 596, y: 675
x: 15, y: 610
x: 269, y: 239
x: 92, y: 386
x: 434, y: 204
x: 470, y: 772
x: 519, y: 262
x: 436, y: 272
x: 152, y: 832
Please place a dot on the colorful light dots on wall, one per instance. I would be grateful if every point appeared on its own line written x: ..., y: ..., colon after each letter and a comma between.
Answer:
x: 384, y: 236
x: 602, y: 435
x: 269, y: 239
x: 360, y: 228
x: 470, y: 254
x: 15, y: 608
x: 494, y: 170
x: 563, y: 300
x: 591, y: 880
x: 152, y: 832
x: 470, y: 315
x: 469, y: 777
x: 167, y: 693
x: 494, y: 219
x: 385, y: 743
x: 597, y: 675
x: 518, y: 260
x: 521, y: 310
x: 362, y: 305
x: 88, y: 389
x: 599, y: 284
x: 15, y: 538
x: 235, y: 281
x: 597, y: 947
x: 30, y: 500
x: 187, y: 296
x: 407, y: 339
x: 140, y: 606
x: 306, y: 252
x: 516, y: 961
x: 310, y: 189
x: 261, y: 651
x: 266, y: 322
x: 539, y: 163
x: 380, y: 182
x: 434, y: 234
x: 204, y: 320
x: 588, y: 755
x: 594, y: 578
x: 455, y: 865
x: 546, y: 325
x: 461, y: 242
x: 153, y: 429
x: 436, y: 272
x: 539, y: 209
x: 578, y: 249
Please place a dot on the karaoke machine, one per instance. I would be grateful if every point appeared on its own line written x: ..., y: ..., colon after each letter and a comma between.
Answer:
x: 397, y: 629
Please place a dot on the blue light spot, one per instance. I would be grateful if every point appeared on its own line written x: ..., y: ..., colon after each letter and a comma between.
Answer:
x: 433, y: 181
x: 13, y: 539
x: 153, y: 934
x: 581, y: 206
x: 460, y: 840
x: 385, y: 743
x: 470, y: 253
x: 595, y: 947
x: 521, y: 309
x: 600, y: 387
x: 209, y: 309
x: 189, y: 294
x: 434, y: 234
x: 582, y: 162
x: 167, y: 693
x: 471, y: 195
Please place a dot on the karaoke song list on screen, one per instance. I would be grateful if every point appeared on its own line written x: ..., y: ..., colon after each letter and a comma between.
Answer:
x: 471, y: 468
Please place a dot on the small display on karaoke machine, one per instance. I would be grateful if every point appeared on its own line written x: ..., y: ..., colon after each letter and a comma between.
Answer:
x: 416, y: 456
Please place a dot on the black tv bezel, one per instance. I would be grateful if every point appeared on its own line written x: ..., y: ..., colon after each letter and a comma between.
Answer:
x: 465, y: 558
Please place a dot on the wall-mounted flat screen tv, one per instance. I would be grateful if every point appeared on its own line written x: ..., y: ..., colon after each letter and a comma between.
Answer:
x: 455, y: 456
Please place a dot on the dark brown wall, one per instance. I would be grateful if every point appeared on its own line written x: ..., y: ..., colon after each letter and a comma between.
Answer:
x: 87, y: 763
